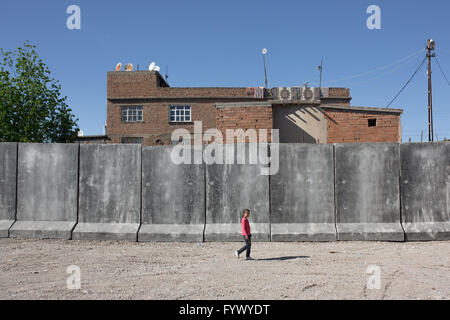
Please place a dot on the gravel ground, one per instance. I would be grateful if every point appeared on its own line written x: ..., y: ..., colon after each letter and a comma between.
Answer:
x: 36, y: 269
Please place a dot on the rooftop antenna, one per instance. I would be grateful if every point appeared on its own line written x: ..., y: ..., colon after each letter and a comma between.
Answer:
x: 151, y: 67
x: 167, y: 73
x: 156, y: 68
x: 264, y: 52
x: 320, y: 69
x: 118, y: 67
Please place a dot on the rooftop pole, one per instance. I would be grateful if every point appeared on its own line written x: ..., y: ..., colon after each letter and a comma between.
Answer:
x: 264, y: 52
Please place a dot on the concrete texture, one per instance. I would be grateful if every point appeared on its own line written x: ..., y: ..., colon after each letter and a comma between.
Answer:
x: 367, y: 192
x: 302, y: 194
x: 110, y: 192
x: 171, y: 233
x: 425, y: 191
x: 231, y: 188
x: 43, y: 229
x: 106, y: 231
x: 173, y: 198
x: 8, y: 170
x: 5, y: 225
x: 47, y: 191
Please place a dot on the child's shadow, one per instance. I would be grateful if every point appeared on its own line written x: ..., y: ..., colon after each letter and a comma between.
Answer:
x: 284, y: 258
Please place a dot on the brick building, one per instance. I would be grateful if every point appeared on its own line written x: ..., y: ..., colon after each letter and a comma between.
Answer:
x: 143, y: 108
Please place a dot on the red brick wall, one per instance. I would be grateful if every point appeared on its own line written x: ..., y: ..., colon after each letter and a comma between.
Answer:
x: 155, y: 124
x: 245, y: 118
x: 148, y: 89
x: 339, y: 92
x: 144, y: 84
x: 343, y: 126
x: 352, y: 126
x: 130, y: 84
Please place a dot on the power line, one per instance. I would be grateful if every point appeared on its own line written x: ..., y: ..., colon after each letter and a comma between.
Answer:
x: 377, y: 69
x: 410, y: 79
x: 443, y: 73
x: 401, y: 65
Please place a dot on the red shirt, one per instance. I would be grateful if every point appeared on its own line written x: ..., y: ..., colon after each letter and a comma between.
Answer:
x: 245, y: 227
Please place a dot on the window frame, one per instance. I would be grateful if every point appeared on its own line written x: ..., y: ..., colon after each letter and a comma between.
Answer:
x: 127, y: 117
x: 372, y: 123
x: 180, y: 114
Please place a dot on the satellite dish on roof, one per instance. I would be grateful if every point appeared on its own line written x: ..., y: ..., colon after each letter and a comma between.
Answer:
x: 151, y: 67
x: 128, y: 67
x: 156, y: 68
x: 118, y: 66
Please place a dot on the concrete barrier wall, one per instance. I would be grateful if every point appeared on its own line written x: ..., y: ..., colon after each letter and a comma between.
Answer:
x: 425, y: 191
x: 173, y: 198
x: 302, y: 194
x: 47, y: 191
x: 231, y: 188
x: 8, y: 168
x: 107, y: 192
x: 367, y: 192
x: 110, y: 192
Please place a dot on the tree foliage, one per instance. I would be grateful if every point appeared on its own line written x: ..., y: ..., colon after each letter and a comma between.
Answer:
x: 32, y: 108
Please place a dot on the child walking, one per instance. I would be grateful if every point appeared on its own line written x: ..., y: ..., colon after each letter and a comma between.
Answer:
x: 246, y: 234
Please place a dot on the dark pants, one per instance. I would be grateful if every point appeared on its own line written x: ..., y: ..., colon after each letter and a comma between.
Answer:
x: 248, y: 246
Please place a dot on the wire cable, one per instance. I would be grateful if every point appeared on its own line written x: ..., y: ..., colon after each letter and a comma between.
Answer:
x: 383, y: 74
x: 443, y: 73
x: 377, y: 69
x: 407, y: 83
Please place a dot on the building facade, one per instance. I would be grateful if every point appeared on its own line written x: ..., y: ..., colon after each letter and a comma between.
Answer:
x: 143, y: 108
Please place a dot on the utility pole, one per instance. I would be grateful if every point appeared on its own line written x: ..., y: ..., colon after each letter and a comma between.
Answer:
x: 430, y: 47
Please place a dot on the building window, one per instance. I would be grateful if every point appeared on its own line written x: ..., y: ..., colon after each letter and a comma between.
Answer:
x: 131, y: 114
x: 180, y: 114
x: 131, y: 140
x: 372, y: 122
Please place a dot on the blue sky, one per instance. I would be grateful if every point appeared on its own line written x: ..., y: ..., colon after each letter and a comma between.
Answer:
x: 218, y: 43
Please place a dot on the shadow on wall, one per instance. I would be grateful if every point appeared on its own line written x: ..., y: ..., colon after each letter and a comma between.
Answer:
x: 299, y: 124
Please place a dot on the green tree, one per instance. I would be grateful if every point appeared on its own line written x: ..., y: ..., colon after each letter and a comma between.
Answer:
x: 32, y: 108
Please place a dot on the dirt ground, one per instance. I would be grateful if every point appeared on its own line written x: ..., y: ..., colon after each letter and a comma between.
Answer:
x: 36, y: 269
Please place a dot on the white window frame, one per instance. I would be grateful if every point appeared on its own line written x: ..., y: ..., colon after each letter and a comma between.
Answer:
x: 180, y: 114
x: 132, y: 114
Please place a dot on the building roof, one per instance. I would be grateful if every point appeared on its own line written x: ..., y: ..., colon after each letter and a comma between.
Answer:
x: 269, y: 104
x: 262, y: 103
x: 357, y: 108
